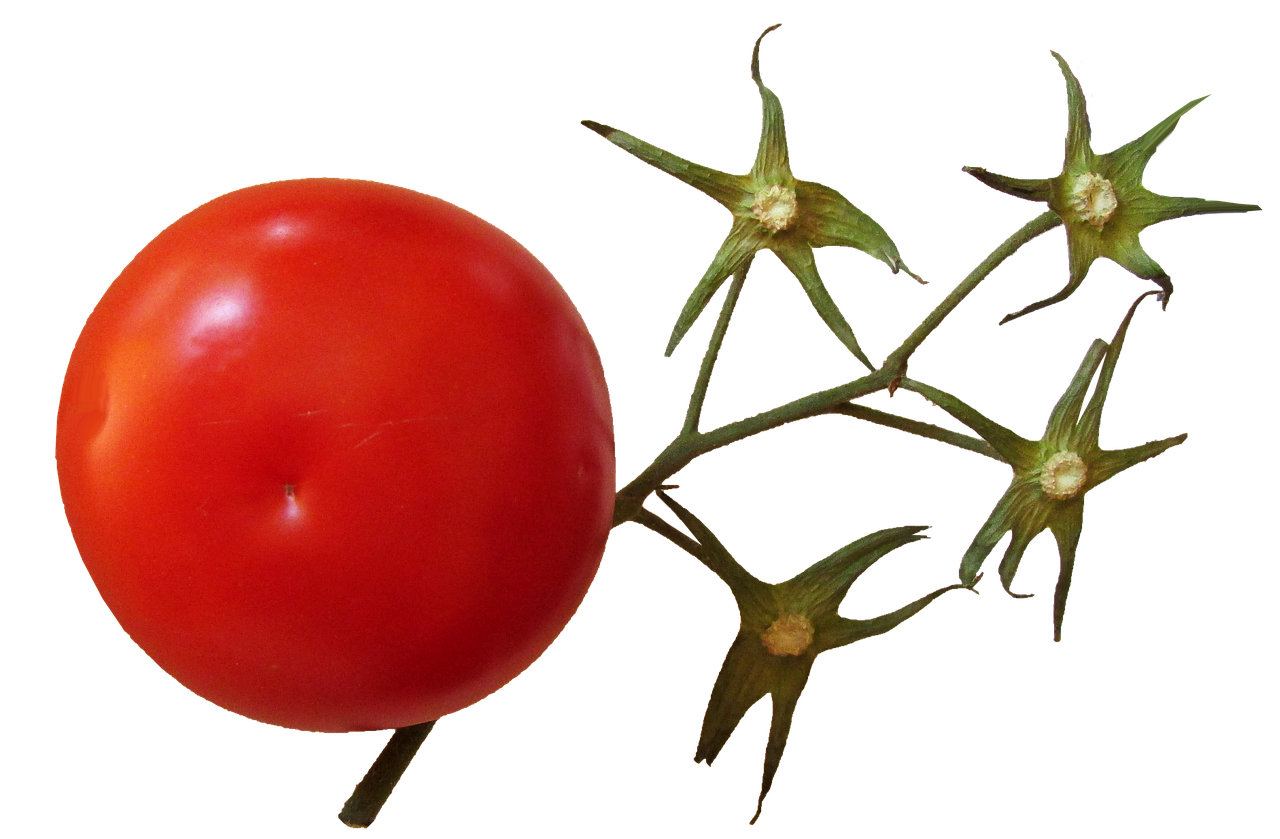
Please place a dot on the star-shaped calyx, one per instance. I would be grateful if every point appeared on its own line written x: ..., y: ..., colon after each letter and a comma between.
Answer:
x: 1052, y: 475
x: 771, y: 210
x: 1101, y: 200
x: 783, y: 628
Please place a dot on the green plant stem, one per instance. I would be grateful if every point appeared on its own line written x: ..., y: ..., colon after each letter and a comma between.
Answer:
x: 685, y: 448
x: 372, y: 792
x: 694, y: 413
x: 660, y: 526
x: 923, y: 429
x: 897, y: 360
x: 691, y: 444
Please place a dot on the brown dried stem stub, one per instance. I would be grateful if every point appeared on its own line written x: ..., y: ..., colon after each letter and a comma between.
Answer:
x: 788, y: 635
x: 1063, y: 475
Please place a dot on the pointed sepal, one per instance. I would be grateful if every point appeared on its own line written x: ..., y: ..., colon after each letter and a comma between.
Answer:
x: 1051, y: 476
x: 737, y: 251
x: 772, y: 211
x: 1028, y: 189
x: 728, y: 190
x: 1101, y: 200
x: 782, y: 630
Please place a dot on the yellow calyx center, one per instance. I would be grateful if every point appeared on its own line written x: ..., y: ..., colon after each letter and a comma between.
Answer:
x: 1091, y: 199
x: 775, y: 208
x: 1062, y: 476
x: 788, y: 635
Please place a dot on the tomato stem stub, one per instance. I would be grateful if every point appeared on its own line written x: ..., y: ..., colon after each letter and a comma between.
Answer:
x: 373, y: 790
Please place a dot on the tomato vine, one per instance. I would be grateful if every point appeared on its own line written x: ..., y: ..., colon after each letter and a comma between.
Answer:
x: 812, y: 482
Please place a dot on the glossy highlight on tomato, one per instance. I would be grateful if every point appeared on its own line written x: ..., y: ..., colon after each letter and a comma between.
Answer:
x: 337, y: 455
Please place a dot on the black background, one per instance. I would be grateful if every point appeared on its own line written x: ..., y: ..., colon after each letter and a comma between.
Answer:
x: 969, y: 702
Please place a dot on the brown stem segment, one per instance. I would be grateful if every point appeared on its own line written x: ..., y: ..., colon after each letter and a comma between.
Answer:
x: 372, y: 792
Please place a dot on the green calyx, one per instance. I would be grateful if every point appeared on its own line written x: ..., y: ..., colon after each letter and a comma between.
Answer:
x: 771, y: 210
x: 1101, y: 200
x: 783, y: 629
x: 1052, y: 475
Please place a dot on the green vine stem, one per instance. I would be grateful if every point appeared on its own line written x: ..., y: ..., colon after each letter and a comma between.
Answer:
x: 1043, y: 223
x: 372, y: 792
x: 713, y: 351
x: 922, y: 429
x: 691, y: 444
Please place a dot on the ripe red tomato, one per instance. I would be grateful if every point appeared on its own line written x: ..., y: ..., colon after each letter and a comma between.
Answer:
x: 338, y: 455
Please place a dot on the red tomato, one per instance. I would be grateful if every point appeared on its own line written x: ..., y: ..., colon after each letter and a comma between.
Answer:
x: 338, y: 455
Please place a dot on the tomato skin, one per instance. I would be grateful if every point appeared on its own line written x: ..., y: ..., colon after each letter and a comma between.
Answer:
x: 338, y: 455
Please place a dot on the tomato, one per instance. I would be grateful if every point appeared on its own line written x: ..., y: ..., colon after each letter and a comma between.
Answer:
x: 337, y: 455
